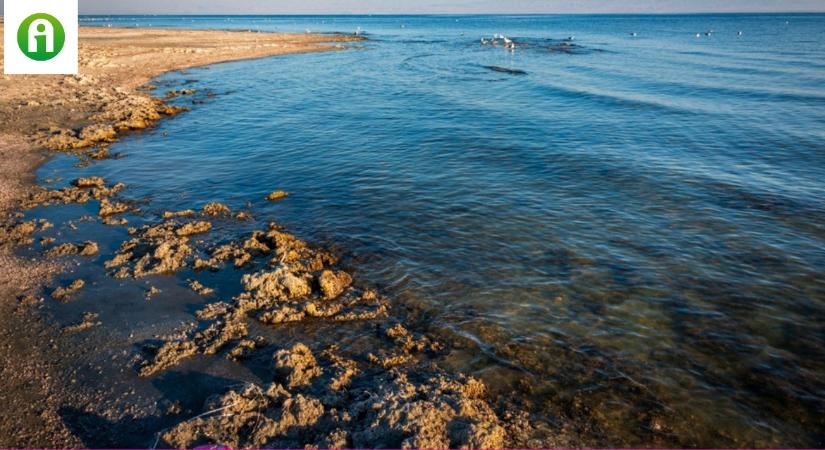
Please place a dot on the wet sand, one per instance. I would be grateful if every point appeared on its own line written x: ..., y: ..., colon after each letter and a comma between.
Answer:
x: 74, y: 113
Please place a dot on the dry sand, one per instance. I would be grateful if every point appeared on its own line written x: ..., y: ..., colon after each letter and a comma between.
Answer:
x: 72, y: 113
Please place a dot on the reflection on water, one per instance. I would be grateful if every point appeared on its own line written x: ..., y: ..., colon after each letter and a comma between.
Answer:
x: 628, y: 236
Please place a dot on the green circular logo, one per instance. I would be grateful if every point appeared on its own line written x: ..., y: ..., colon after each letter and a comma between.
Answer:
x: 41, y: 37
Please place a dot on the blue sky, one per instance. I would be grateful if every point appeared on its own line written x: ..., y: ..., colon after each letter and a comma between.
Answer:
x: 439, y: 6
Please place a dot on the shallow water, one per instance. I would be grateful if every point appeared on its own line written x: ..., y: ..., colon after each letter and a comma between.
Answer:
x: 625, y: 234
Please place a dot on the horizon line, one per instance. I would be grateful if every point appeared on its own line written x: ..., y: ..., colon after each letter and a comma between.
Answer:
x: 654, y: 13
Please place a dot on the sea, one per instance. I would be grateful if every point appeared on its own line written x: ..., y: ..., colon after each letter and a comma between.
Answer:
x: 619, y: 223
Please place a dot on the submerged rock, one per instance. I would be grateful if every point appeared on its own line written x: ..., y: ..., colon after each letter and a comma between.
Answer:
x: 173, y: 214
x: 103, y: 153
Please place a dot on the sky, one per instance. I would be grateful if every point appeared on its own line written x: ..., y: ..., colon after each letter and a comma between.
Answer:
x: 439, y: 6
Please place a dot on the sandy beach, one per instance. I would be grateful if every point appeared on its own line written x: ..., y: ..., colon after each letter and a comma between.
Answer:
x: 73, y: 114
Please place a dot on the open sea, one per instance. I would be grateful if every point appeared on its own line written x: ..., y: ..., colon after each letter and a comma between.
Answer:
x: 620, y: 223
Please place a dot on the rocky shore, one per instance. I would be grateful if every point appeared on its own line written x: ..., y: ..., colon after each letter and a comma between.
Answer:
x: 315, y: 395
x: 75, y: 113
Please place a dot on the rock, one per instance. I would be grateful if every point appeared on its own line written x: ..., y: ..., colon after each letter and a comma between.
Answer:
x: 298, y: 364
x: 173, y: 214
x: 89, y: 320
x: 62, y: 250
x: 216, y: 209
x: 88, y: 248
x: 277, y: 195
x: 192, y: 228
x: 392, y: 409
x: 119, y: 260
x: 169, y: 256
x: 18, y: 233
x: 94, y: 134
x: 333, y: 283
x: 29, y: 300
x: 200, y: 289
x: 242, y: 422
x: 168, y: 355
x: 279, y: 284
x: 108, y: 208
x: 90, y: 182
x: 177, y: 93
x: 113, y: 221
x: 62, y: 293
x: 103, y: 153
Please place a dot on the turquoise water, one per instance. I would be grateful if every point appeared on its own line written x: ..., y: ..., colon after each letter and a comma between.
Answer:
x: 625, y: 233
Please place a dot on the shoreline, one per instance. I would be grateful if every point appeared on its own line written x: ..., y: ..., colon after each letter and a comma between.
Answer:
x: 76, y: 114
x: 389, y: 392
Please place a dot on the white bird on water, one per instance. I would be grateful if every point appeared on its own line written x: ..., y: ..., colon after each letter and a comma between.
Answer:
x: 634, y: 34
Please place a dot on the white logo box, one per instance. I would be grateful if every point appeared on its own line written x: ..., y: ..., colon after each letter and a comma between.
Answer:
x: 15, y: 62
